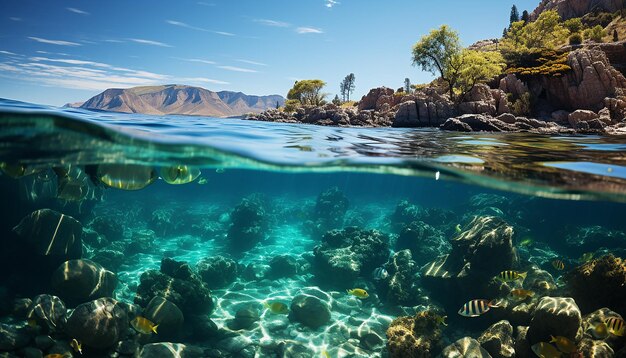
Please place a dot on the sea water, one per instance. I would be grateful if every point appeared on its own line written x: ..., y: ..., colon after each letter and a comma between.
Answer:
x: 257, y: 221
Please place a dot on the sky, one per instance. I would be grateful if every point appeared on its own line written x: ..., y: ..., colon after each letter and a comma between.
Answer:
x: 54, y: 52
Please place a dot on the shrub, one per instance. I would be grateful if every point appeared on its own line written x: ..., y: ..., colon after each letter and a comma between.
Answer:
x: 522, y: 106
x: 573, y: 25
x: 595, y: 33
x: 550, y: 63
x: 575, y: 39
x: 292, y: 105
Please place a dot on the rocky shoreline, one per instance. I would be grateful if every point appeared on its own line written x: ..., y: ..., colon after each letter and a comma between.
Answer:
x: 589, y: 98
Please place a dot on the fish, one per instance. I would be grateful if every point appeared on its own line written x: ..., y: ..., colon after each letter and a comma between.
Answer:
x: 202, y: 181
x: 564, y: 344
x: 358, y: 292
x: 276, y: 307
x: 545, y: 350
x: 76, y: 345
x: 179, y: 174
x: 475, y: 308
x: 526, y: 242
x: 126, y: 176
x: 143, y: 325
x: 586, y: 257
x: 521, y: 293
x: 380, y: 274
x: 616, y: 326
x: 510, y: 276
x: 558, y: 264
x: 599, y: 331
x: 457, y: 228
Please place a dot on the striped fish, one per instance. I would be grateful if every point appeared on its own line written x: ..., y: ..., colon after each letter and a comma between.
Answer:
x: 616, y: 326
x: 475, y: 308
x: 558, y: 264
x: 510, y: 276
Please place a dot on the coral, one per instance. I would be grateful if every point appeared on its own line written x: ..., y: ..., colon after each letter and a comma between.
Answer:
x: 217, y: 271
x: 424, y: 241
x: 248, y: 225
x: 400, y: 287
x: 414, y: 337
x: 108, y: 226
x: 599, y: 283
x: 330, y: 208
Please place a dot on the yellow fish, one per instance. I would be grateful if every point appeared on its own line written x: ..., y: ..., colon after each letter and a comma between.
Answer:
x: 558, y: 264
x: 510, y: 276
x: 564, y: 344
x: 521, y: 293
x: 457, y: 228
x: 358, y: 292
x: 616, y: 326
x: 143, y: 325
x: 180, y: 174
x: 600, y: 331
x: 545, y: 350
x: 77, y: 346
x: 276, y: 307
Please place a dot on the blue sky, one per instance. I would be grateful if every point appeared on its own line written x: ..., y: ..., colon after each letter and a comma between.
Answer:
x: 54, y: 52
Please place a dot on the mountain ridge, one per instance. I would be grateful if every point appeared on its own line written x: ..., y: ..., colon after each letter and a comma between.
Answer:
x: 180, y: 100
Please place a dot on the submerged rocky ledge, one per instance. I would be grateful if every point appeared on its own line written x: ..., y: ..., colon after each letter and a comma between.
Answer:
x: 589, y: 98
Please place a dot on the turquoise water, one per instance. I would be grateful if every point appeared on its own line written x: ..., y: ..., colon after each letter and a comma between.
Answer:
x: 284, y: 213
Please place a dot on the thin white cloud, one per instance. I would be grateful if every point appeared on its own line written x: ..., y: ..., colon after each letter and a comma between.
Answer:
x: 237, y: 69
x: 191, y: 27
x: 54, y: 42
x: 273, y: 23
x: 252, y: 62
x: 224, y: 33
x: 8, y: 53
x: 76, y: 11
x: 309, y: 30
x: 114, y: 41
x: 149, y: 42
x: 13, y: 18
x: 331, y: 3
x: 198, y: 60
x: 204, y: 80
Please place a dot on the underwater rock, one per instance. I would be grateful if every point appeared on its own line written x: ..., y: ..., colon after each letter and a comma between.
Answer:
x: 590, y: 348
x: 127, y: 347
x: 347, y: 254
x: 248, y: 225
x: 167, y: 315
x: 424, y: 241
x: 539, y: 281
x: 235, y: 345
x: 330, y: 209
x: 200, y: 327
x: 405, y: 213
x: 12, y: 337
x: 245, y: 318
x: 78, y: 281
x: 30, y: 352
x: 282, y: 266
x: 599, y: 283
x: 465, y: 348
x: 142, y: 242
x: 52, y: 233
x: 108, y: 226
x: 498, y: 340
x: 400, y: 287
x: 181, y: 287
x: 555, y: 316
x: 93, y: 239
x: 478, y: 254
x: 217, y: 271
x: 309, y: 310
x: 595, y: 318
x: 414, y: 337
x: 170, y: 350
x: 98, y: 324
x: 44, y: 342
x: 110, y: 259
x: 47, y: 311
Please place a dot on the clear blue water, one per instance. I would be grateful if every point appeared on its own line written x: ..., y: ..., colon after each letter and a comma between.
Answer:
x: 552, y: 190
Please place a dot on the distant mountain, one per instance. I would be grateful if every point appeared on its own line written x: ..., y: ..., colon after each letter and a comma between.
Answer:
x: 577, y: 8
x: 179, y: 99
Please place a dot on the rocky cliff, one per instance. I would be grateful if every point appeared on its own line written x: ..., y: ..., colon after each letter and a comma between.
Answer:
x: 577, y: 8
x: 179, y: 99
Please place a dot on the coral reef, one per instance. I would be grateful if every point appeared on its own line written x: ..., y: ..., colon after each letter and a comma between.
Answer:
x: 414, y: 337
x: 248, y: 225
x: 217, y: 271
x: 599, y: 283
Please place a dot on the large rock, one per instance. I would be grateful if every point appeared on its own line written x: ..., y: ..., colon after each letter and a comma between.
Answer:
x: 555, y: 316
x: 599, y: 283
x: 512, y: 85
x: 347, y: 254
x: 424, y: 241
x: 568, y: 9
x: 581, y: 115
x: 465, y: 348
x: 52, y: 233
x: 217, y: 271
x: 376, y: 97
x: 248, y: 225
x: 414, y: 337
x: 498, y: 340
x: 167, y: 315
x: 400, y: 287
x: 479, y: 100
x: 12, y: 337
x: 98, y: 324
x: 78, y: 281
x: 477, y: 123
x: 309, y: 310
x: 170, y: 350
x: 48, y: 312
x: 424, y: 109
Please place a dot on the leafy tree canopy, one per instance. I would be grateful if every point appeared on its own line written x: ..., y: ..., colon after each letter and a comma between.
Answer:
x: 308, y: 92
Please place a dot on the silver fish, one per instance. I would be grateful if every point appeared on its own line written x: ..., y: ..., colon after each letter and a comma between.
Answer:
x: 380, y: 274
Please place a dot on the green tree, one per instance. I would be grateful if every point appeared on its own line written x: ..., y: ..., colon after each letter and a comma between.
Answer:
x: 473, y: 67
x: 434, y: 53
x: 525, y: 17
x: 573, y: 25
x: 347, y: 86
x: 291, y: 105
x: 514, y: 17
x: 336, y: 100
x: 308, y: 92
x: 407, y: 85
x: 595, y: 33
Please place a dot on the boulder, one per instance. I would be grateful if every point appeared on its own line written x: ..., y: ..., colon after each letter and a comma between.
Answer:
x: 375, y: 98
x: 414, y: 337
x: 513, y: 86
x: 561, y: 116
x: 217, y: 271
x: 424, y: 109
x: 424, y: 241
x: 282, y: 266
x: 248, y: 225
x: 465, y: 348
x: 245, y: 318
x: 310, y: 311
x: 581, y: 115
x: 400, y: 288
x: 595, y: 349
x: 12, y: 337
x: 478, y: 123
x: 167, y: 315
x: 507, y: 118
x: 556, y: 316
x: 98, y: 324
x: 498, y: 340
x: 78, y: 281
x: 48, y: 312
x: 52, y: 233
x: 170, y: 350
